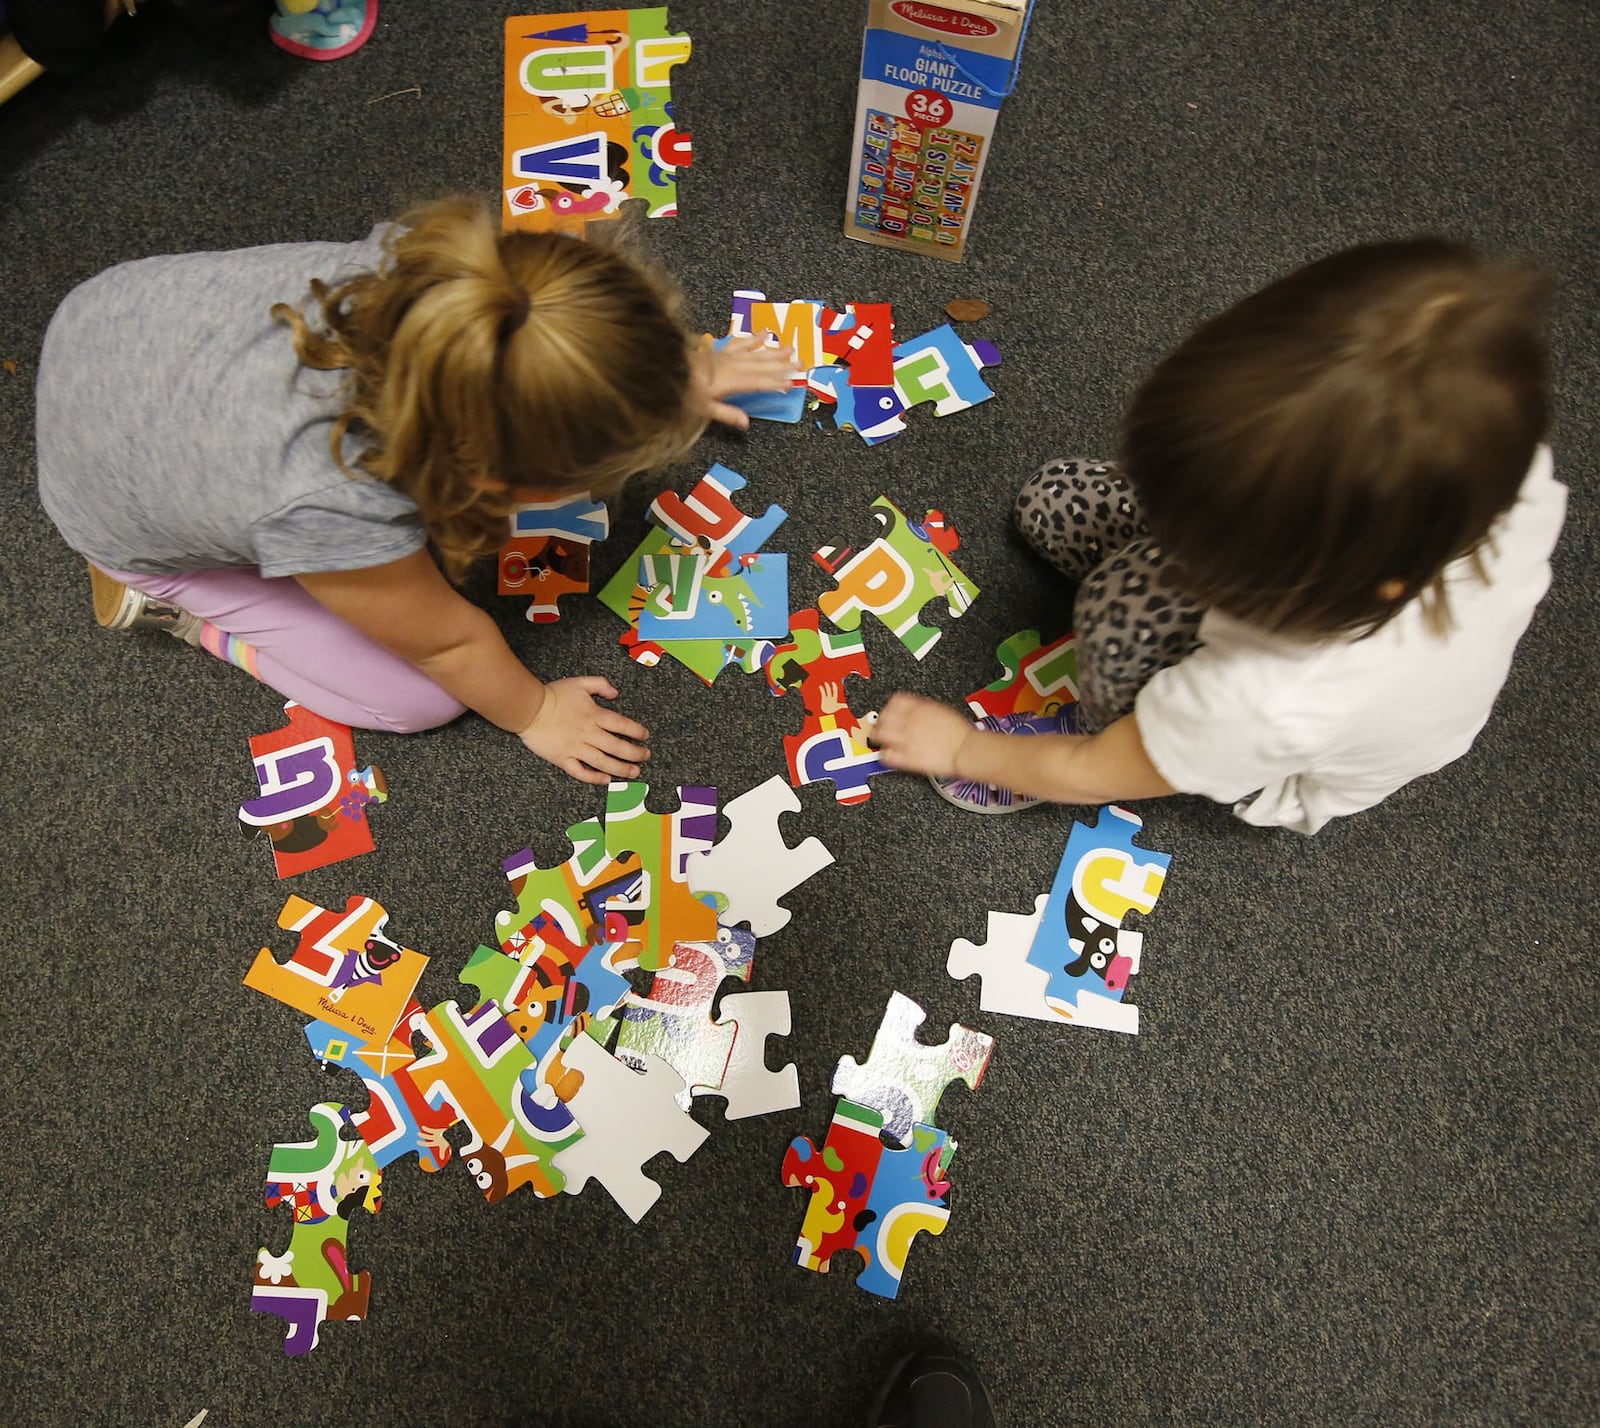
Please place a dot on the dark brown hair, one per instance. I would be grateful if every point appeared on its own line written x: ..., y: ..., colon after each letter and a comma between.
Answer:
x: 1360, y: 421
x: 479, y: 361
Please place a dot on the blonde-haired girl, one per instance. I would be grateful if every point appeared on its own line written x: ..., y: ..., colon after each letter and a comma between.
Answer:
x: 265, y: 481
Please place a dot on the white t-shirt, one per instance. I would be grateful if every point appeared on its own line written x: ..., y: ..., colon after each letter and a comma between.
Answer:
x: 1318, y: 729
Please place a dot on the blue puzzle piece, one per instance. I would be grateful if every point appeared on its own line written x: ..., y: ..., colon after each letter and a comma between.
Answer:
x: 581, y: 519
x: 768, y: 406
x: 1081, y: 942
x: 939, y: 367
x: 389, y: 1124
x: 874, y: 412
x: 685, y: 601
x: 907, y: 1198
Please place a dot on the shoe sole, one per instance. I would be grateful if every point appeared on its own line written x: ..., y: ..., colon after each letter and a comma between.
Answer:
x: 116, y: 606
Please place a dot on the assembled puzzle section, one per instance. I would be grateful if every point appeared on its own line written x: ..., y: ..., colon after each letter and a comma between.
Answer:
x: 547, y: 555
x: 1073, y: 957
x: 313, y: 800
x: 589, y: 117
x: 895, y: 575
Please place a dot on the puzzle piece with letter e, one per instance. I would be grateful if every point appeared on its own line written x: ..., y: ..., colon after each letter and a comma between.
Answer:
x: 896, y: 575
x: 752, y: 868
x: 1038, y: 679
x: 866, y: 1197
x: 628, y: 1116
x: 1081, y: 943
x: 313, y: 800
x: 323, y: 1182
x: 902, y: 1078
x: 589, y: 119
x: 547, y: 555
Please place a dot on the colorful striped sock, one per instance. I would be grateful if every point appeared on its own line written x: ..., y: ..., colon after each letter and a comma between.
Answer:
x: 229, y: 648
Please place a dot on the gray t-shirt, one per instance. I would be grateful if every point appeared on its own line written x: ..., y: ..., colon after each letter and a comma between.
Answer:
x: 177, y: 430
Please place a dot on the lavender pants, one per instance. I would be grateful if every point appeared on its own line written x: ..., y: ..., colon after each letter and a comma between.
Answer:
x: 304, y: 651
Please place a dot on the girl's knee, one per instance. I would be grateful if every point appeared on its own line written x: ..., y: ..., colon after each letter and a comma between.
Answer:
x: 421, y: 711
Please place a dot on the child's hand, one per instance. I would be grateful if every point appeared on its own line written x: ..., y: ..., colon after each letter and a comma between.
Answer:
x: 745, y: 364
x: 585, y: 739
x: 921, y: 735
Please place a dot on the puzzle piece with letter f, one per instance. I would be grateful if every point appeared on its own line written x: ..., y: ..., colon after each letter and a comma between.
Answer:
x: 902, y: 1078
x: 589, y: 117
x: 896, y: 575
x: 323, y: 1182
x: 313, y: 800
x: 866, y: 1197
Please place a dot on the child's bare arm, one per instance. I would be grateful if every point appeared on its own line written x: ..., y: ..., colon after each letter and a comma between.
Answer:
x: 923, y: 736
x: 410, y: 608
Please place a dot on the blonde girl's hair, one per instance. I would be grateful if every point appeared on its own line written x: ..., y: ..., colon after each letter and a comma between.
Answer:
x: 1362, y: 421
x: 478, y: 362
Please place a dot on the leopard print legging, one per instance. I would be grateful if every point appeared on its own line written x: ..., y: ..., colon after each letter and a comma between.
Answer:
x: 1084, y: 518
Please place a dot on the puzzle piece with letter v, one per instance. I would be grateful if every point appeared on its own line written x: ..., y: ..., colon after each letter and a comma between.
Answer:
x: 313, y: 800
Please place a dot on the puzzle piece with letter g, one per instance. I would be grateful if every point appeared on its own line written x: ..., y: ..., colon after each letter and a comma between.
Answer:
x: 896, y: 574
x: 902, y: 1078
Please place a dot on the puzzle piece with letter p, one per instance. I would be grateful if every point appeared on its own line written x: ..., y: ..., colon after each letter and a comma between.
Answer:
x: 895, y: 575
x: 902, y: 1078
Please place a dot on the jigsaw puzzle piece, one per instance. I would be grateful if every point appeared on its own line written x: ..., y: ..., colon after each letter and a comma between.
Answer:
x: 1081, y: 942
x: 788, y: 406
x: 667, y: 911
x: 939, y: 367
x: 575, y: 896
x: 874, y: 413
x: 708, y: 514
x: 813, y: 657
x: 474, y: 1066
x: 547, y: 555
x: 1038, y: 678
x: 313, y: 800
x: 323, y: 1182
x: 832, y: 746
x: 862, y: 338
x: 907, y: 1199
x: 398, y: 1120
x: 549, y: 983
x: 898, y: 573
x: 902, y: 1078
x: 345, y: 970
x: 839, y: 1177
x: 690, y: 595
x: 627, y: 1117
x: 750, y: 1087
x: 749, y: 870
x: 1010, y: 984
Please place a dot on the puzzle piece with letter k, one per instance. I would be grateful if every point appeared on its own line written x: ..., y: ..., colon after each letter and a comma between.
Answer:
x: 895, y: 575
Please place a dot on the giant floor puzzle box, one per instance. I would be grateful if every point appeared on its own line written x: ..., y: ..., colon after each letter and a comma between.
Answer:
x: 932, y: 79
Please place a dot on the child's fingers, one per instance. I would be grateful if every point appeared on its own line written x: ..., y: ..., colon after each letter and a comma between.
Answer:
x: 614, y: 722
x: 597, y: 685
x: 633, y: 754
x: 582, y: 772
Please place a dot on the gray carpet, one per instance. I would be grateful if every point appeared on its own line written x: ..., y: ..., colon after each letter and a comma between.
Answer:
x: 1347, y: 1172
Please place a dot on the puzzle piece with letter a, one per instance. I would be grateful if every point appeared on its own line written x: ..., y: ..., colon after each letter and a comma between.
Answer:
x: 346, y: 971
x: 628, y: 1116
x: 323, y: 1182
x: 902, y: 1078
x: 896, y: 575
x: 589, y: 119
x: 313, y: 800
x: 547, y: 555
x: 752, y: 868
x: 1039, y: 678
x: 866, y: 1197
x: 1081, y: 943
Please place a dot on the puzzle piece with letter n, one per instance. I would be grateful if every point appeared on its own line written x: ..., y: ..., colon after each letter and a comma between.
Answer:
x: 547, y: 555
x: 1081, y: 943
x: 313, y: 800
x: 752, y: 868
x: 1038, y: 678
x: 323, y: 1182
x: 866, y: 1197
x: 589, y: 119
x: 896, y: 574
x: 902, y: 1078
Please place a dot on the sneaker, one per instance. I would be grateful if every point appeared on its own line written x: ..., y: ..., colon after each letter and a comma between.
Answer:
x: 121, y: 607
x: 930, y: 1389
x: 986, y: 798
x: 323, y: 29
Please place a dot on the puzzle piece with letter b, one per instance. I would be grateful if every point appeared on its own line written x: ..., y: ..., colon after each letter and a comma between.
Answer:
x: 902, y: 1078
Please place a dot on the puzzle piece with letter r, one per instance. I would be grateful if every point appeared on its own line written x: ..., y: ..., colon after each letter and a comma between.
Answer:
x: 902, y: 1078
x: 896, y: 575
x: 1081, y: 943
x: 1038, y: 679
x: 323, y: 1182
x: 866, y: 1197
x: 313, y: 800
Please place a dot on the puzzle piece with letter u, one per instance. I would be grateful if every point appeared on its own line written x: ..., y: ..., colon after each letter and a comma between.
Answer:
x: 895, y: 575
x: 589, y: 117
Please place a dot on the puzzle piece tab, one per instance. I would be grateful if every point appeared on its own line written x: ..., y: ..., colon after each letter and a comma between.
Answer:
x: 898, y: 573
x: 313, y: 800
x: 750, y: 869
x: 1081, y: 943
x: 1038, y: 679
x: 902, y: 1078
